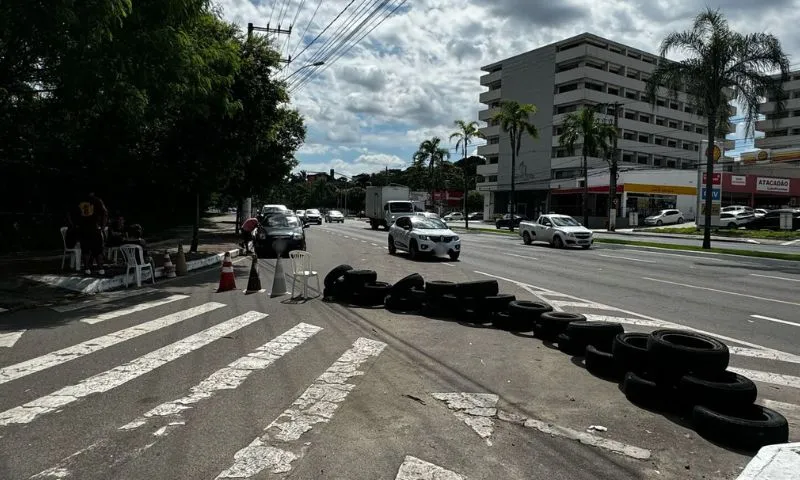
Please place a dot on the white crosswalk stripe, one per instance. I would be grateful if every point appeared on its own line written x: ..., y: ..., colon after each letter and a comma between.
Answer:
x: 132, y: 309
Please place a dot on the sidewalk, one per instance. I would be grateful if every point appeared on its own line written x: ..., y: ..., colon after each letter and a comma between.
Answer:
x: 36, y: 278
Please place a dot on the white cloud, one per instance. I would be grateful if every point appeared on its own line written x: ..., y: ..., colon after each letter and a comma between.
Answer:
x: 419, y: 70
x: 364, y: 163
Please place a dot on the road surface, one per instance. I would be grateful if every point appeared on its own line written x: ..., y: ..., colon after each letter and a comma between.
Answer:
x: 181, y: 382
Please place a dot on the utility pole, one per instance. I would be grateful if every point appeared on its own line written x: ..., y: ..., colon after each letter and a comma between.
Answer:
x: 252, y: 28
x: 612, y: 174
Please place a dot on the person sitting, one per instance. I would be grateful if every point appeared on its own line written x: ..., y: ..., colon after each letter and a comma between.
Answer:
x: 116, y: 232
x: 134, y: 237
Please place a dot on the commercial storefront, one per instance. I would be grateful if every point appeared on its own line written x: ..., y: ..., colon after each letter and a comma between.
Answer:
x: 760, y: 191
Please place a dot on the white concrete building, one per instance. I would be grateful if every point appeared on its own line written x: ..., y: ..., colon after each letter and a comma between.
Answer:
x: 781, y: 130
x: 585, y: 70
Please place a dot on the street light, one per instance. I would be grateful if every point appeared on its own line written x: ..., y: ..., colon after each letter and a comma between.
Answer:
x: 315, y: 64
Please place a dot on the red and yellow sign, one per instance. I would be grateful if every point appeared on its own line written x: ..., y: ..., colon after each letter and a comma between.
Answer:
x: 660, y: 189
x: 717, y: 153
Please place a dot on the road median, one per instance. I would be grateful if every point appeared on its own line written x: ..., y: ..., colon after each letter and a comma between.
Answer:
x: 695, y: 248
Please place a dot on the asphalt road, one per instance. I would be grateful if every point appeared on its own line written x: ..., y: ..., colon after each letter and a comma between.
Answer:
x: 185, y: 383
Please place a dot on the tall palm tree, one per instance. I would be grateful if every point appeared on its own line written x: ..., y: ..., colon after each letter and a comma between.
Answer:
x: 515, y: 119
x: 432, y: 154
x: 721, y: 65
x: 466, y: 133
x: 595, y: 137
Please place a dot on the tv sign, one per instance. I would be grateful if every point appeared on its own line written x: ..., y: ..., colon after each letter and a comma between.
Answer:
x: 716, y: 194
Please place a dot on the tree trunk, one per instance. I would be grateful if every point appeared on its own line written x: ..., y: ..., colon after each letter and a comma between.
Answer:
x: 712, y: 125
x: 585, y: 189
x: 512, y: 196
x: 196, y: 229
x: 466, y: 188
x: 612, y: 190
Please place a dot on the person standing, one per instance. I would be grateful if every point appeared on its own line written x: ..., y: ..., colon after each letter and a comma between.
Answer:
x: 248, y: 227
x: 90, y: 216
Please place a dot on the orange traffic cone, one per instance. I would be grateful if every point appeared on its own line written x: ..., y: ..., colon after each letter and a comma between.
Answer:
x: 169, y: 268
x: 227, y: 280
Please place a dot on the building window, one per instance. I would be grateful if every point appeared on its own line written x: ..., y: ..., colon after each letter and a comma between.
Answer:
x: 687, y: 128
x: 776, y: 133
x: 644, y: 138
x: 564, y: 67
x: 494, y: 105
x: 696, y: 147
x: 688, y: 109
x: 628, y: 136
x: 634, y: 55
x: 660, y: 102
x: 686, y: 166
x: 493, y: 160
x: 657, y: 161
x: 616, y: 70
x: 563, y: 48
x: 493, y: 140
x: 632, y: 74
x: 674, y: 106
x: 699, y: 130
x: 687, y: 146
x: 627, y: 157
x: 644, y: 118
x: 567, y: 109
x: 480, y: 179
x: 671, y: 163
x: 658, y: 141
x: 672, y: 144
x: 630, y: 115
x: 492, y: 178
x: 660, y: 122
x: 632, y: 95
x: 567, y: 88
x: 613, y: 91
x: 642, y: 160
x: 594, y: 86
x: 673, y: 124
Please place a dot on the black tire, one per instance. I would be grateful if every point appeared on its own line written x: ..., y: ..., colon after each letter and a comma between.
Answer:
x: 335, y: 274
x: 557, y: 242
x: 645, y: 392
x: 674, y: 353
x: 680, y: 220
x: 551, y: 324
x: 454, y: 256
x: 630, y: 351
x: 413, y: 251
x: 527, y: 310
x: 751, y: 428
x: 502, y: 321
x: 374, y: 293
x: 659, y: 223
x: 392, y: 248
x: 478, y: 288
x: 601, y: 364
x: 356, y: 279
x: 341, y: 290
x: 599, y: 334
x: 418, y: 294
x: 526, y: 238
x: 724, y: 392
x: 495, y: 303
x: 403, y: 286
x: 400, y: 304
x: 451, y: 305
x: 437, y: 288
x: 566, y: 345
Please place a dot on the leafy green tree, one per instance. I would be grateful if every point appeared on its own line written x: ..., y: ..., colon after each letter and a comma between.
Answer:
x: 432, y: 154
x: 595, y: 137
x: 720, y: 65
x: 465, y: 134
x: 515, y: 119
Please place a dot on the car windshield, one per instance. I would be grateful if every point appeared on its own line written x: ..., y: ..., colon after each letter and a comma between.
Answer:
x: 426, y: 223
x: 564, y: 221
x: 334, y: 212
x: 283, y: 221
x: 401, y: 207
x: 313, y: 211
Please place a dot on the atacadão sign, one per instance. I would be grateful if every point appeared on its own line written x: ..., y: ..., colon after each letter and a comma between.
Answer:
x: 770, y: 184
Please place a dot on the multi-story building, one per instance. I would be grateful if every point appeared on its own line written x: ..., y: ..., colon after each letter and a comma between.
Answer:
x: 585, y: 70
x: 781, y: 130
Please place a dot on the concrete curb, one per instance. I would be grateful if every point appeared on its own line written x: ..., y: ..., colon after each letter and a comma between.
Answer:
x: 774, y: 462
x: 97, y: 285
x: 748, y: 241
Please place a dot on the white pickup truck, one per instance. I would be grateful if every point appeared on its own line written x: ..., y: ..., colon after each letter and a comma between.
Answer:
x: 558, y: 230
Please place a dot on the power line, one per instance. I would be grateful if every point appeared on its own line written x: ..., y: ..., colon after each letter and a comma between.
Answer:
x: 326, y: 28
x: 291, y: 25
x: 319, y: 4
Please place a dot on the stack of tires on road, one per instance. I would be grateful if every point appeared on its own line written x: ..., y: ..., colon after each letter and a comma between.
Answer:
x: 674, y: 371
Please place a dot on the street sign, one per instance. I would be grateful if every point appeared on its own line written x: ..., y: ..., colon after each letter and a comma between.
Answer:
x: 716, y: 194
x: 716, y: 178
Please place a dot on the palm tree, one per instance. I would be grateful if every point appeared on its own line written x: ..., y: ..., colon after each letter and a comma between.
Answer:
x: 721, y: 65
x: 466, y: 133
x: 595, y: 137
x: 432, y: 154
x: 514, y: 119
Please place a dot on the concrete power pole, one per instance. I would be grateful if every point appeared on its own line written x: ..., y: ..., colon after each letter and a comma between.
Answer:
x: 612, y: 174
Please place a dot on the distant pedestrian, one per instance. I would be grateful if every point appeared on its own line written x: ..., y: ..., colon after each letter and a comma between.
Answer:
x: 90, y: 216
x: 135, y: 237
x: 248, y: 227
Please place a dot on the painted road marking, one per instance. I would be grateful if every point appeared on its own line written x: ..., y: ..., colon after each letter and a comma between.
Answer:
x: 521, y: 256
x: 628, y: 321
x: 448, y: 264
x: 104, y: 298
x: 8, y: 339
x: 65, y: 355
x: 541, y: 292
x: 776, y: 320
x: 774, y: 300
x: 626, y: 258
x: 374, y: 244
x: 777, y: 278
x: 316, y: 405
x: 676, y: 254
x: 234, y: 374
x: 3, y: 309
x: 768, y: 377
x: 117, y: 376
x: 132, y: 309
x: 474, y: 409
x: 790, y: 242
x: 569, y: 303
x: 788, y: 410
x: 413, y: 468
x: 764, y: 354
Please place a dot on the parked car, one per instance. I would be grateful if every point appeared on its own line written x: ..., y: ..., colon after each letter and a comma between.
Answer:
x: 312, y: 215
x: 420, y: 235
x: 428, y: 215
x: 506, y: 222
x: 742, y: 213
x: 760, y: 212
x: 558, y: 230
x: 478, y: 216
x: 334, y: 216
x: 282, y: 228
x: 730, y: 220
x: 665, y: 217
x: 772, y: 220
x: 268, y: 210
x: 454, y: 216
x: 301, y: 214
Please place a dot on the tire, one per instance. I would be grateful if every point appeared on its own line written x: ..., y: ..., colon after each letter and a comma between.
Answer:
x: 454, y: 256
x: 598, y: 334
x: 659, y: 223
x: 478, y: 288
x: 750, y: 429
x: 495, y: 303
x: 413, y: 251
x: 373, y: 225
x: 566, y: 345
x: 452, y: 306
x: 374, y: 293
x: 725, y: 392
x: 437, y: 288
x: 401, y: 304
x: 356, y: 279
x: 674, y: 353
x: 335, y: 274
x: 528, y: 311
x: 526, y: 238
x: 680, y: 220
x: 630, y: 352
x: 402, y: 287
x: 731, y: 225
x: 551, y: 324
x: 392, y: 248
x: 645, y: 392
x: 557, y: 242
x: 502, y: 321
x: 601, y: 364
x: 418, y: 295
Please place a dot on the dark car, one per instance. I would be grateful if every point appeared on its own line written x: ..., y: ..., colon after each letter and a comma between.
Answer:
x: 282, y: 232
x: 772, y: 220
x: 475, y: 216
x: 505, y: 221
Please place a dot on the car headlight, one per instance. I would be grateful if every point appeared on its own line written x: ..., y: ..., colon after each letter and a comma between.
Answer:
x: 570, y: 234
x: 297, y: 236
x: 455, y: 239
x: 423, y: 237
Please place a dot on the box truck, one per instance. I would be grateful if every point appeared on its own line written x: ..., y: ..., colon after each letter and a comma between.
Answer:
x: 385, y: 204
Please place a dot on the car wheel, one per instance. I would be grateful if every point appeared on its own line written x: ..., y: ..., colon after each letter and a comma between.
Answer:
x: 392, y: 248
x: 526, y: 238
x: 413, y: 250
x: 680, y: 220
x: 454, y: 256
x: 659, y: 223
x: 557, y: 242
x: 732, y: 225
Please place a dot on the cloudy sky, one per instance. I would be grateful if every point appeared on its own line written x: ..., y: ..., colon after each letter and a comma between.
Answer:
x: 369, y: 107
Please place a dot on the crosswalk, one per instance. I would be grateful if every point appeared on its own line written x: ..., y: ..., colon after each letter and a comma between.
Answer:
x: 275, y: 449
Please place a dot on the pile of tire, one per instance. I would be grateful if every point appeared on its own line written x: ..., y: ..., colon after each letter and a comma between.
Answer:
x: 675, y: 371
x: 355, y: 287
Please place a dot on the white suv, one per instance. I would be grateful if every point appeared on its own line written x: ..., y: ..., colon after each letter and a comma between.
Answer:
x: 742, y: 214
x: 420, y: 235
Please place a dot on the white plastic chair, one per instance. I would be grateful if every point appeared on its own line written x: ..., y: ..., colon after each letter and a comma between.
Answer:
x: 75, y: 261
x: 132, y: 254
x: 301, y: 268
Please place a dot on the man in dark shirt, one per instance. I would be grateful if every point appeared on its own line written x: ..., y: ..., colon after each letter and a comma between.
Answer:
x: 90, y: 216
